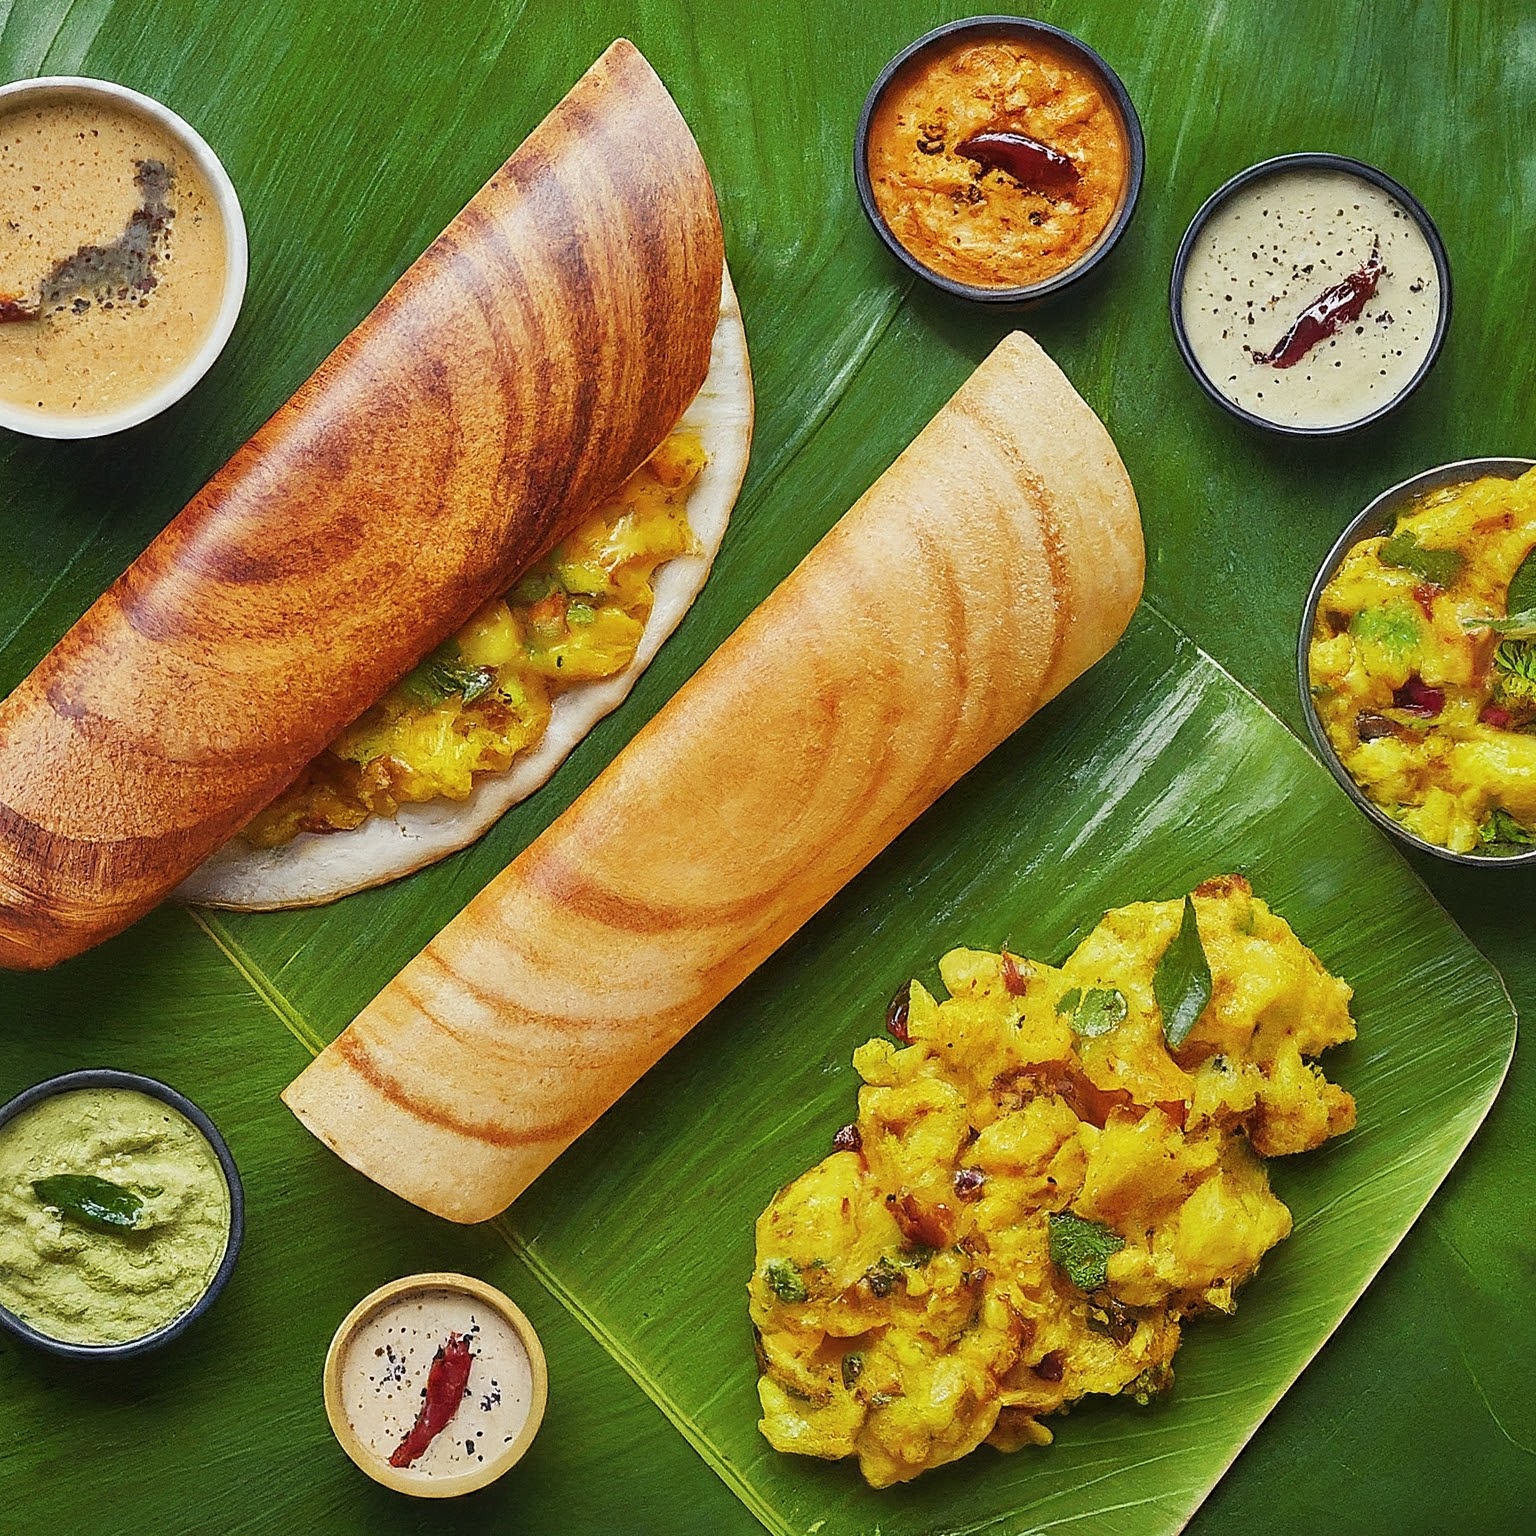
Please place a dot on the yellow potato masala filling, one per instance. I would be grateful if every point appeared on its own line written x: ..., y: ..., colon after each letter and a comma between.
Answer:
x: 487, y: 694
x: 1423, y: 667
x: 1050, y: 1170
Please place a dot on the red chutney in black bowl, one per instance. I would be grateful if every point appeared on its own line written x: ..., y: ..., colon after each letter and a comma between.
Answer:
x: 999, y: 158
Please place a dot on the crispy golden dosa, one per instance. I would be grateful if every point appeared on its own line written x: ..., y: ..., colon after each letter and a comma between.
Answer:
x: 516, y: 374
x: 998, y: 558
x: 319, y: 867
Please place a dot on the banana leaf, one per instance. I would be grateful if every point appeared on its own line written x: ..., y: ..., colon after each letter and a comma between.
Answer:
x: 354, y: 132
x: 644, y: 1229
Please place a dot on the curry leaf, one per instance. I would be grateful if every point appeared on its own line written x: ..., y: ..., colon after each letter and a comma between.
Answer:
x: 1081, y: 1249
x: 92, y: 1201
x: 1500, y: 833
x: 1521, y: 597
x: 1516, y: 658
x: 881, y: 1277
x: 1094, y: 1012
x: 1515, y: 626
x: 1514, y: 674
x: 445, y: 673
x: 784, y: 1280
x: 1519, y: 622
x: 1441, y: 566
x: 1182, y: 983
x: 533, y: 588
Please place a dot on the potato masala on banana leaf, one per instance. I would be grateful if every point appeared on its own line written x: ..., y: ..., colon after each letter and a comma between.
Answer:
x: 1050, y: 1170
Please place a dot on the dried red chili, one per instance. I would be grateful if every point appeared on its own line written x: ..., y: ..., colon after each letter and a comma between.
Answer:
x: 1015, y: 977
x: 446, y: 1381
x: 932, y: 1226
x: 1028, y: 161
x: 1335, y: 306
x: 1052, y: 1366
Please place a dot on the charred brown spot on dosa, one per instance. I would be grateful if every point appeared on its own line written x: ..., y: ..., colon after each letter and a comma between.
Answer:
x: 1047, y: 522
x: 543, y: 1040
x: 495, y: 1134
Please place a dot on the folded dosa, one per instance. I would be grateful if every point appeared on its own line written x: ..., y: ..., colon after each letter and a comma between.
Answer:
x: 319, y: 867
x: 514, y: 377
x: 998, y: 558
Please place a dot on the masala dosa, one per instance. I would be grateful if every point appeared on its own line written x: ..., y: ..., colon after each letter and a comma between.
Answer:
x: 319, y: 867
x: 993, y: 562
x: 515, y: 375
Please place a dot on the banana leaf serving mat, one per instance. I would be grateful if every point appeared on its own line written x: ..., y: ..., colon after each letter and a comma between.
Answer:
x: 354, y: 132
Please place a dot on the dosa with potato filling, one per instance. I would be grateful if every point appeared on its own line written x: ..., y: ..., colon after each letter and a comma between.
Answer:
x: 512, y: 379
x: 487, y: 718
x: 997, y: 559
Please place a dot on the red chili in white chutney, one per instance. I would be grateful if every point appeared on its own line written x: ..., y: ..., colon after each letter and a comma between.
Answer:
x: 1337, y: 306
x: 446, y: 1381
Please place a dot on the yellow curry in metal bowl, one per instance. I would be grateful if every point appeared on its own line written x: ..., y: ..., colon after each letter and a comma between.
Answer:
x: 485, y: 695
x: 1050, y: 1170
x: 1422, y: 667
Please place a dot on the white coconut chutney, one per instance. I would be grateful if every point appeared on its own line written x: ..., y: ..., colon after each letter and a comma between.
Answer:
x: 384, y: 1378
x: 1267, y: 255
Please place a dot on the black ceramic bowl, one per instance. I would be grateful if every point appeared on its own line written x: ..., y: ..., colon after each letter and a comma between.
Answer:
x: 1310, y: 161
x: 942, y: 38
x: 103, y: 1077
x: 1377, y: 518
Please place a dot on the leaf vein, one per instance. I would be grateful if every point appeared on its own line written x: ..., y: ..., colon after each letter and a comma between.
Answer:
x: 258, y: 981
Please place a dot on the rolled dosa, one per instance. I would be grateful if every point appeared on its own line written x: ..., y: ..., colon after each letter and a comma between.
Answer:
x: 998, y: 558
x: 513, y: 378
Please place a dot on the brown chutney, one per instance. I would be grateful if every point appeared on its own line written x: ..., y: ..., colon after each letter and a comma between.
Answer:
x: 113, y: 256
x: 974, y: 217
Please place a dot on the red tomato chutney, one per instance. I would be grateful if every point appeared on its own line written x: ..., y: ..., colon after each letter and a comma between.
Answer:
x: 997, y: 163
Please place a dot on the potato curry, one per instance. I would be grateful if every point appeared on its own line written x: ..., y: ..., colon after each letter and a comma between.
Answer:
x: 1050, y: 1170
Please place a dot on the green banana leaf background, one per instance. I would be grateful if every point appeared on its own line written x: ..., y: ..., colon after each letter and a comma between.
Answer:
x: 354, y: 132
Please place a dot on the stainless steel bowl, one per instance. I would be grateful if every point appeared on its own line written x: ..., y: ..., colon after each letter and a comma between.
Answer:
x: 1377, y: 518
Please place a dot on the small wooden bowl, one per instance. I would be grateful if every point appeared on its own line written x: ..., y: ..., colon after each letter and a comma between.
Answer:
x: 404, y: 1479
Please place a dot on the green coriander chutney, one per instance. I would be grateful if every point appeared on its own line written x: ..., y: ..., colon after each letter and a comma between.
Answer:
x: 76, y: 1280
